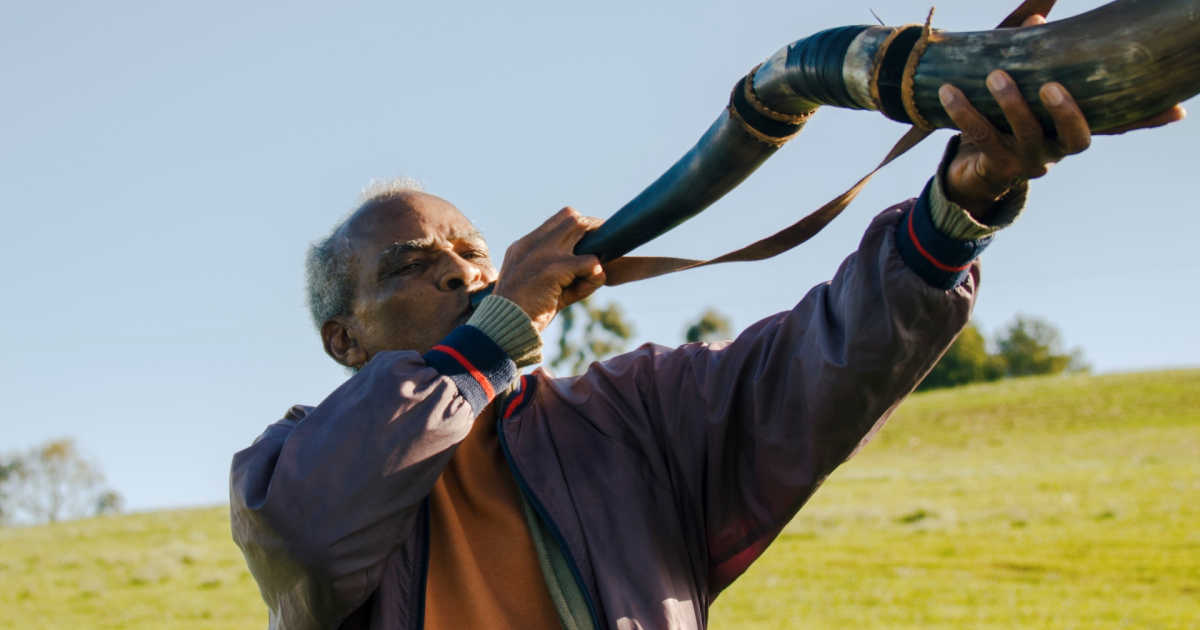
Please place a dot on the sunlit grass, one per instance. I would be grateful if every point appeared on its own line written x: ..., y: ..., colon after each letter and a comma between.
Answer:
x: 1037, y: 503
x: 160, y: 570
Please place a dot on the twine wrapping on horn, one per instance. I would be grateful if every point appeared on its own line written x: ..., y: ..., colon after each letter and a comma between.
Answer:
x: 908, y: 79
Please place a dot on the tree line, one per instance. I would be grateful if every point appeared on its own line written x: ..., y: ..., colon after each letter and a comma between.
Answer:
x: 1027, y: 346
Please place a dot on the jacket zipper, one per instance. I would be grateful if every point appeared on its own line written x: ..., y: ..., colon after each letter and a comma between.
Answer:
x: 545, y: 516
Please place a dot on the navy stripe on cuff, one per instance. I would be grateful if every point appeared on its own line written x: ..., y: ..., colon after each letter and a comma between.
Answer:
x: 940, y: 260
x: 479, y: 368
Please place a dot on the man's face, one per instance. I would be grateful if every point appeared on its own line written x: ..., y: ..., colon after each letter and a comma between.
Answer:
x: 416, y: 260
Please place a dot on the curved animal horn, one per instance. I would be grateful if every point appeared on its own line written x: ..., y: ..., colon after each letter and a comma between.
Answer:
x: 1122, y: 62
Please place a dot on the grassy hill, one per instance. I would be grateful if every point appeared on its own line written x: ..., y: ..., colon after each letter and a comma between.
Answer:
x: 1067, y: 502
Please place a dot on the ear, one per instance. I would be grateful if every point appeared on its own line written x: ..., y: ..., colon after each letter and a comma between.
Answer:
x: 341, y: 345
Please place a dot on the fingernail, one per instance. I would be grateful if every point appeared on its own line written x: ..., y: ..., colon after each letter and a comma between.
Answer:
x: 1055, y: 95
x: 997, y: 81
x: 946, y: 95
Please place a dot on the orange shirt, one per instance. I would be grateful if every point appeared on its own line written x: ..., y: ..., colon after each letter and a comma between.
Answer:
x: 483, y: 567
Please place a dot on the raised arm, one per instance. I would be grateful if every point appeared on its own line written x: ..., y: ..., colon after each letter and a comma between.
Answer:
x: 744, y: 433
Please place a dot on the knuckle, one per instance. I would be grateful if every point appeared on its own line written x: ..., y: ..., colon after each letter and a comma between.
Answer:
x: 1009, y: 97
x: 566, y: 268
x: 978, y: 132
x: 583, y: 266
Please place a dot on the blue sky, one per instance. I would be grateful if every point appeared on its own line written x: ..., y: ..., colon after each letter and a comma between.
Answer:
x: 164, y: 167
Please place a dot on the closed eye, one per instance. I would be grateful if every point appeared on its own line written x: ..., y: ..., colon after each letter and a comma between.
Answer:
x: 404, y: 268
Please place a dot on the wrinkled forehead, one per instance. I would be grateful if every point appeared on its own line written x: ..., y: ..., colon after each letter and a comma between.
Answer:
x: 416, y: 218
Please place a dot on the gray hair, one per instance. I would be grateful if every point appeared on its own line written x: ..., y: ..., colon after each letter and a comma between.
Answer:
x: 329, y: 265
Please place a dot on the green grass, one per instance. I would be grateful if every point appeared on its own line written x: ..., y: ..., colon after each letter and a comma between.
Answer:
x: 166, y: 570
x: 1037, y: 503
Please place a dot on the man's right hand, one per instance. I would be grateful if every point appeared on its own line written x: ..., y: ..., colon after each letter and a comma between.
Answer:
x: 541, y: 272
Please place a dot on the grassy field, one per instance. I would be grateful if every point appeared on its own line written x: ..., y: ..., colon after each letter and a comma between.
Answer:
x: 1038, y: 503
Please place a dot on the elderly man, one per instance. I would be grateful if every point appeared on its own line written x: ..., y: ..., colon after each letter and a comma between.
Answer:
x: 436, y: 488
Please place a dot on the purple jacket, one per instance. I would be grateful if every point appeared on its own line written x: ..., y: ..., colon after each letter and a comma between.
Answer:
x: 662, y: 473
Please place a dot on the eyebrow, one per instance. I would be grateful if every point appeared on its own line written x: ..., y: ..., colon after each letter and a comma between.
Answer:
x: 400, y: 248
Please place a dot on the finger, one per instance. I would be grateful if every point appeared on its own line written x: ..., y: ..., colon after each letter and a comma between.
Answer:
x: 586, y: 276
x: 1034, y: 20
x: 1074, y: 135
x: 558, y: 220
x: 577, y: 228
x: 570, y: 268
x: 591, y: 278
x: 1175, y: 114
x: 591, y: 223
x: 994, y: 164
x: 553, y: 224
x: 564, y: 229
x: 1025, y: 126
x: 974, y: 126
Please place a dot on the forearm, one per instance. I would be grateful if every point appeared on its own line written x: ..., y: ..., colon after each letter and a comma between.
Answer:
x: 320, y: 501
x: 744, y: 432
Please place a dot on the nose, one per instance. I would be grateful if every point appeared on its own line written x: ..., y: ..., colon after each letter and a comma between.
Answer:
x: 459, y: 273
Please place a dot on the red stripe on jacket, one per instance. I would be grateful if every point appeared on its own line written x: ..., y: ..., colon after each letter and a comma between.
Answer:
x: 912, y: 235
x: 471, y: 369
x: 512, y: 406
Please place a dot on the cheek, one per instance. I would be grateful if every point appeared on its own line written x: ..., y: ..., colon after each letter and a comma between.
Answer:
x: 416, y: 320
x: 408, y: 308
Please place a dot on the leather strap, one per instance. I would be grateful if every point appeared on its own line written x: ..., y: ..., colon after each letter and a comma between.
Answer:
x: 632, y: 268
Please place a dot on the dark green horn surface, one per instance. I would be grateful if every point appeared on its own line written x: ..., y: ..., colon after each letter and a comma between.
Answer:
x: 1121, y: 62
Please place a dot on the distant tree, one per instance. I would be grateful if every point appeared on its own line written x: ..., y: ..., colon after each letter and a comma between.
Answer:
x: 109, y: 502
x: 1030, y: 346
x: 967, y: 361
x: 712, y: 326
x: 590, y: 333
x: 8, y: 470
x: 1026, y: 347
x: 54, y: 481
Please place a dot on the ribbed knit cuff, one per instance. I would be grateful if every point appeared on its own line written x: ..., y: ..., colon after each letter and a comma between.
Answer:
x: 943, y: 262
x: 511, y: 329
x: 479, y: 368
x: 954, y: 221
